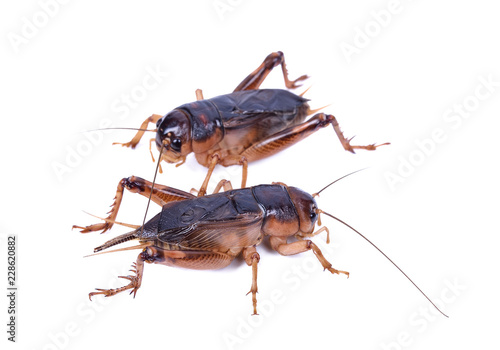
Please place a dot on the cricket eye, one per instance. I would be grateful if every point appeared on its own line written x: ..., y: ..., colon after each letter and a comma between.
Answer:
x: 313, y: 214
x: 176, y: 144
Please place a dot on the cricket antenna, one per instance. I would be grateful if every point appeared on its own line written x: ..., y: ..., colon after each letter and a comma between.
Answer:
x: 352, y: 228
x: 135, y: 129
x: 164, y: 144
x: 331, y: 183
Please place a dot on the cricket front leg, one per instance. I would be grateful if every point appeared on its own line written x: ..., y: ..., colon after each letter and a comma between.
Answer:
x: 255, y: 79
x: 132, y: 143
x: 281, y: 246
x: 160, y: 195
x: 323, y: 229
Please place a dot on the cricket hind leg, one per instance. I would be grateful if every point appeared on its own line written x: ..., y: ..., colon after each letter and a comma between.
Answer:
x: 135, y: 279
x: 255, y: 79
x: 282, y: 140
x: 346, y: 143
x: 288, y: 137
x: 197, y: 260
x: 160, y: 194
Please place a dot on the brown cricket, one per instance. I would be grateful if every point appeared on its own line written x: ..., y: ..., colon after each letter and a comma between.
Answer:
x: 209, y: 232
x: 241, y: 127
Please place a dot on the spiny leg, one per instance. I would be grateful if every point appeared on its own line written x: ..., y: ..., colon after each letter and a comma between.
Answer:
x: 288, y: 137
x: 281, y: 246
x: 161, y: 195
x: 132, y: 143
x: 135, y: 279
x: 252, y: 259
x: 191, y: 259
x: 346, y: 142
x: 255, y: 79
x: 277, y: 142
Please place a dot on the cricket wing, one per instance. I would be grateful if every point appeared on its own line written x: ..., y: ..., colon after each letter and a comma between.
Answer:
x: 267, y: 107
x: 215, y: 223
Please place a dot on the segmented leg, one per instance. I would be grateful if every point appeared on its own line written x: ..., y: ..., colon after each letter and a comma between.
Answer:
x: 324, y: 228
x: 288, y: 137
x: 346, y: 142
x: 161, y: 195
x: 226, y: 184
x: 252, y: 259
x: 255, y: 79
x: 135, y: 279
x: 197, y: 260
x: 214, y: 160
x: 132, y: 143
x: 211, y: 166
x: 281, y: 246
x: 244, y: 175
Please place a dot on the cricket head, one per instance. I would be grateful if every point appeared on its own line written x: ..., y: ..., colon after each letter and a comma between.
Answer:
x: 307, y: 209
x: 173, y: 134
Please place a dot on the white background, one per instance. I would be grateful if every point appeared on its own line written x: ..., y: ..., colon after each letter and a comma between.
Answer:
x: 66, y: 69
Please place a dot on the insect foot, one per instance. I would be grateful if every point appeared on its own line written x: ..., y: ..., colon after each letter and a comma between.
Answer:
x: 326, y: 265
x: 105, y: 226
x: 252, y: 258
x: 338, y: 272
x: 135, y: 282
